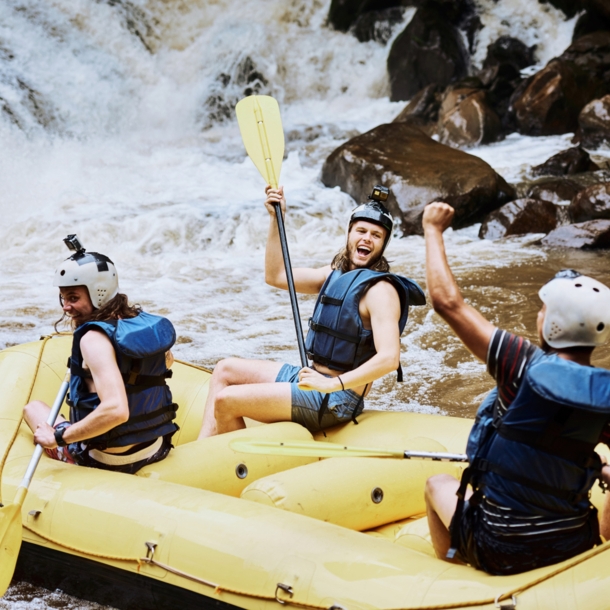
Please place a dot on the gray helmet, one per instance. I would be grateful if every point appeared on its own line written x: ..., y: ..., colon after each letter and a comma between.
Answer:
x: 91, y: 269
x: 577, y: 310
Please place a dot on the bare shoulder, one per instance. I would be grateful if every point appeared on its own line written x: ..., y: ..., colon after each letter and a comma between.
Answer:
x: 382, y: 290
x: 381, y: 295
x: 95, y: 345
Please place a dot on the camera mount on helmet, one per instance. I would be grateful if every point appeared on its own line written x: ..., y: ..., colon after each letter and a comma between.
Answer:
x: 90, y: 269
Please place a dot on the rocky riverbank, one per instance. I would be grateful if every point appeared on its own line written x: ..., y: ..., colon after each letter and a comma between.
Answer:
x: 454, y: 105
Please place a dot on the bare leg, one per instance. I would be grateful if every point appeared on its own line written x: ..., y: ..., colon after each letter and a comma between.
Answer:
x: 264, y: 402
x: 440, y: 506
x: 36, y: 413
x: 604, y: 524
x: 234, y: 372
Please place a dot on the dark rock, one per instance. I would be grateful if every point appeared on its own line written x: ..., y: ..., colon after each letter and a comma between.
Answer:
x: 595, y: 18
x: 423, y: 109
x: 377, y: 25
x: 243, y: 79
x: 417, y: 170
x: 343, y: 14
x: 519, y: 217
x: 571, y: 161
x: 466, y: 119
x: 550, y: 101
x: 500, y: 82
x: 569, y: 7
x: 429, y: 50
x: 590, y: 203
x: 589, y: 234
x: 555, y: 190
x: 594, y: 122
x: 511, y: 51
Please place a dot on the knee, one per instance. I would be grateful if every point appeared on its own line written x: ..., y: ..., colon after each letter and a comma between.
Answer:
x: 36, y: 406
x: 222, y: 404
x: 435, y: 485
x: 225, y: 370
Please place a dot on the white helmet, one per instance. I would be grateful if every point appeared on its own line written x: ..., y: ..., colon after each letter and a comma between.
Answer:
x: 95, y: 271
x: 577, y: 310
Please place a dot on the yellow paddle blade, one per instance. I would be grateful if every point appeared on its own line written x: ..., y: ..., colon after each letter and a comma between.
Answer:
x: 307, y: 449
x: 261, y: 131
x: 10, y: 543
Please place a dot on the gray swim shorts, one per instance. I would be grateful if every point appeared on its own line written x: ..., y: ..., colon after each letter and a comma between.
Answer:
x: 306, y: 403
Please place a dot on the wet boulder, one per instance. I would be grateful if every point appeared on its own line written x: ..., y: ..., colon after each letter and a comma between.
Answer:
x: 344, y: 14
x: 569, y: 7
x: 590, y: 203
x: 507, y: 50
x: 571, y: 161
x: 594, y: 122
x: 555, y: 190
x: 429, y: 50
x: 589, y: 234
x: 596, y: 17
x: 422, y: 110
x: 377, y: 25
x: 417, y: 170
x: 519, y: 217
x: 550, y: 101
x: 467, y: 119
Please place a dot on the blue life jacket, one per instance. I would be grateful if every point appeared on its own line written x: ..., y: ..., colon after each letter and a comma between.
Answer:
x: 337, y: 338
x: 140, y: 344
x: 540, y: 458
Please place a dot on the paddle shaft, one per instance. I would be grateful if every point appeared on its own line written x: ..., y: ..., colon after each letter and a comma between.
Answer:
x: 328, y: 450
x: 432, y: 455
x: 59, y: 399
x: 291, y: 289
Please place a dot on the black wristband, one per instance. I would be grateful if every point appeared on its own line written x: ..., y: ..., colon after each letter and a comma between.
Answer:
x: 341, y: 382
x: 59, y: 435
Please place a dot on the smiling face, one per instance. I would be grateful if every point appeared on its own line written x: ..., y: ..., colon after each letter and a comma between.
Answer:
x: 76, y: 303
x: 365, y: 243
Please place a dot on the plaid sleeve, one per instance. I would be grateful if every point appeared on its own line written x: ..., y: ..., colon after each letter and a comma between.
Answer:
x: 507, y: 358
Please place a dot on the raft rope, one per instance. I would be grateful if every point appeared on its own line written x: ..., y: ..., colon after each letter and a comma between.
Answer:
x: 18, y: 426
x: 218, y: 589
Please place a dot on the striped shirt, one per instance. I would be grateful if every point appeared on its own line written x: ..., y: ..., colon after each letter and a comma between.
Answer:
x: 507, y: 358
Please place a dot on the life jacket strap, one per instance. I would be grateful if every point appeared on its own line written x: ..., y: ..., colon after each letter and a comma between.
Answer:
x: 333, y: 333
x: 459, y: 509
x: 140, y: 383
x: 117, y: 433
x: 330, y: 300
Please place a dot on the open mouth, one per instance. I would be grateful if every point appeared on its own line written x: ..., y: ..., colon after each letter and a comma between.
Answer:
x: 363, y: 251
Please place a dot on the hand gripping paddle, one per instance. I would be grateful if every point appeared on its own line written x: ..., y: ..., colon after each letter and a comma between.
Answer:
x: 261, y: 131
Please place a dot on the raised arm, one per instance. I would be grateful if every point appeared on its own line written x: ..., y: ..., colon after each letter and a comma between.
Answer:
x: 306, y: 280
x: 467, y: 323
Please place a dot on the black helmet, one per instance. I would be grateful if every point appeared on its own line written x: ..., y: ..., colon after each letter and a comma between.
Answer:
x: 374, y: 211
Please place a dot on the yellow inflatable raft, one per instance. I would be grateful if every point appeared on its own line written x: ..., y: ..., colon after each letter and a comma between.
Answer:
x: 213, y: 528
